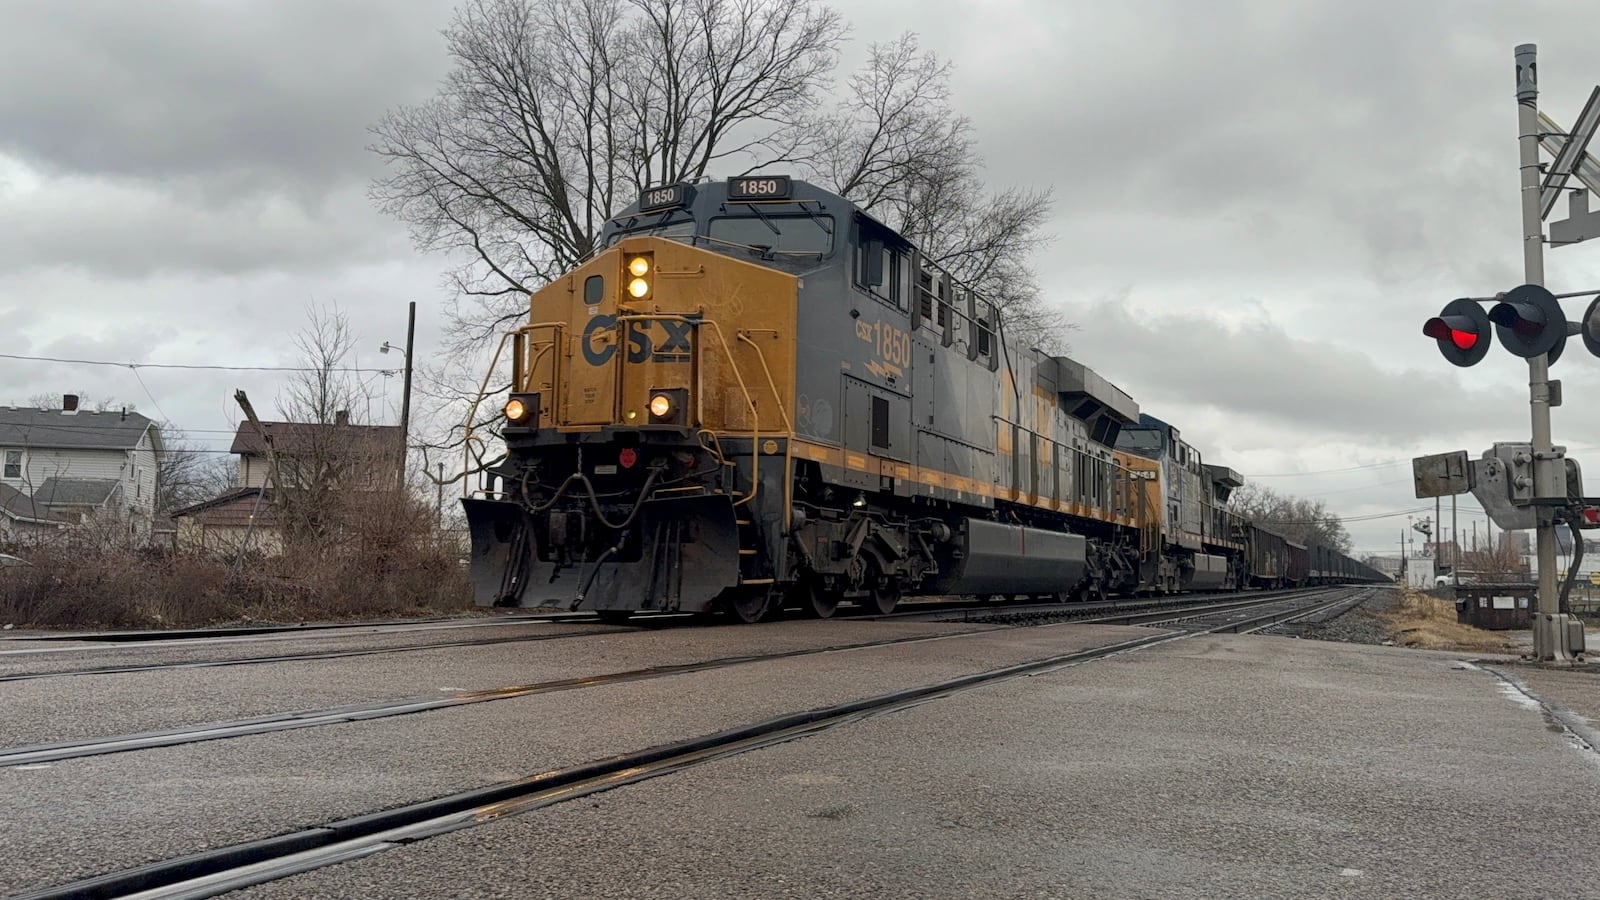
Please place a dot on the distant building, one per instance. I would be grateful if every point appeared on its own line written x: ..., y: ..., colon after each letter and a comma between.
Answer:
x: 315, y: 462
x: 319, y: 456
x: 225, y: 523
x: 69, y: 468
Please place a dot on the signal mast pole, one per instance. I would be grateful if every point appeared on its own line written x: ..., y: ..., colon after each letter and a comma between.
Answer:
x: 1550, y: 628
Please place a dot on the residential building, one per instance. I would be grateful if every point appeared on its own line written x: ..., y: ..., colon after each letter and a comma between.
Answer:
x: 69, y: 467
x: 315, y: 462
x: 238, y: 517
x: 319, y: 456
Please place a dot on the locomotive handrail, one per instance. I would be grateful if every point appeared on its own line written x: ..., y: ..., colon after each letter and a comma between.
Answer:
x: 697, y: 320
x: 469, y: 438
x: 788, y: 444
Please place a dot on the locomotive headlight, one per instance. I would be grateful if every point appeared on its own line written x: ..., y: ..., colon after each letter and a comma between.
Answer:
x: 638, y: 273
x: 661, y: 406
x: 516, y: 410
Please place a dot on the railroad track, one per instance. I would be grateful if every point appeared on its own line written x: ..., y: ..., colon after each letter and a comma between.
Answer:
x: 985, y: 613
x: 1134, y: 611
x: 56, y: 751
x: 296, y: 657
x: 227, y: 868
x: 210, y: 635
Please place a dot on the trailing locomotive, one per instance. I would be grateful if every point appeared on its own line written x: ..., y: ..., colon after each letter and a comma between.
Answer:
x: 756, y: 395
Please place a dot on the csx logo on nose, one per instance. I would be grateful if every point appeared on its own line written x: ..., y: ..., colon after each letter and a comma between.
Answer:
x: 675, y: 345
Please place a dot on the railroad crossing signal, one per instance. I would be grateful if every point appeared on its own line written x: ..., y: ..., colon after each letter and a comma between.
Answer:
x: 1462, y: 330
x: 1591, y: 327
x: 1528, y: 320
x: 1529, y: 323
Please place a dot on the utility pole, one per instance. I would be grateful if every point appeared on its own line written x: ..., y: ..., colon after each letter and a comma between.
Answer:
x: 405, y: 402
x: 1550, y: 633
x: 273, y: 478
x: 440, y: 503
x: 405, y: 398
x: 1455, y: 545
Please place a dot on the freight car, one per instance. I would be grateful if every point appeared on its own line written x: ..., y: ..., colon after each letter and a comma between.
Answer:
x: 756, y: 395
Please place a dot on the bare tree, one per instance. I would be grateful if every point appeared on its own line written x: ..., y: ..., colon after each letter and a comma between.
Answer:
x: 558, y: 111
x: 326, y: 388
x: 1299, y: 519
x: 187, y: 473
x: 85, y: 401
x: 895, y: 146
x: 324, y: 450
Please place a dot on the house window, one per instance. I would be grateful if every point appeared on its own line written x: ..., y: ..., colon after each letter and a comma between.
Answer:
x: 13, y: 464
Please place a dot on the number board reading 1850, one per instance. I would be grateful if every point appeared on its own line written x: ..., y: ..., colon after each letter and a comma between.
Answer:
x: 759, y: 187
x: 665, y: 196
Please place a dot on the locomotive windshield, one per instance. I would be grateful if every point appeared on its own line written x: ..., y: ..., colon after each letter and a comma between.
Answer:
x: 675, y: 223
x: 1143, y: 441
x: 780, y: 234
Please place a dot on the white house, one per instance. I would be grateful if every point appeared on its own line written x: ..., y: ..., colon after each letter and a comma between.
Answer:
x: 69, y: 466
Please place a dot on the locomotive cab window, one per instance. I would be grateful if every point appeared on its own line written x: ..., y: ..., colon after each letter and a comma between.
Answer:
x: 776, y: 234
x: 882, y: 264
x: 672, y: 224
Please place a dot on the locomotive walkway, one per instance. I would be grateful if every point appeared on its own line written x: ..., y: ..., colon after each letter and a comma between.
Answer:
x: 1201, y: 765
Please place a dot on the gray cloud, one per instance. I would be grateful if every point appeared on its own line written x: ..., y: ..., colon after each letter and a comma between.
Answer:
x: 177, y: 89
x: 1257, y: 203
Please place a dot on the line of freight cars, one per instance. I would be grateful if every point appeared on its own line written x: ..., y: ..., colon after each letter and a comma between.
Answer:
x: 1275, y: 562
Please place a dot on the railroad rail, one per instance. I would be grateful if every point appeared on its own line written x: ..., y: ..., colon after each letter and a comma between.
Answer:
x: 960, y: 612
x: 237, y: 866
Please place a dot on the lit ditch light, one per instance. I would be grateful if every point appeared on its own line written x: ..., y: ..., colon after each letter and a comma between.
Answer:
x: 522, y: 409
x: 667, y: 407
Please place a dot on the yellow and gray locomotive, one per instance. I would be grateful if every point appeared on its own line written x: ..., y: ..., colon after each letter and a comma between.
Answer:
x: 757, y: 396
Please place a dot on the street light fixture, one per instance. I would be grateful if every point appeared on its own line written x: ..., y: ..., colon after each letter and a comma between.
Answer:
x: 405, y: 402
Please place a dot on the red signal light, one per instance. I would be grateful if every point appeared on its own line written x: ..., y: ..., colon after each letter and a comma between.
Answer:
x: 1459, y: 330
x: 1439, y: 330
x: 628, y: 457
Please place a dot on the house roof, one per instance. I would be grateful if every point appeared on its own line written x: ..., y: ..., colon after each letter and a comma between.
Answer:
x: 82, y: 430
x: 232, y: 507
x: 304, y: 437
x: 75, y: 491
x: 17, y: 505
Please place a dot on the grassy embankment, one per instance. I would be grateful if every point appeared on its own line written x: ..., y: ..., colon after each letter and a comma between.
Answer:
x: 1429, y: 623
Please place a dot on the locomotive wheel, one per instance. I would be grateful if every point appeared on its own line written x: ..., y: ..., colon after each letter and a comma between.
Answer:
x: 882, y: 597
x: 615, y: 616
x: 815, y: 600
x: 748, y: 605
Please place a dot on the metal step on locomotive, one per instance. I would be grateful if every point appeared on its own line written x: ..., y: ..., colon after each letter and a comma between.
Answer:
x: 758, y: 396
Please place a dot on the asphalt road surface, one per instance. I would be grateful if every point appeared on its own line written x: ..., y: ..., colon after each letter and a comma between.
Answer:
x: 1207, y: 766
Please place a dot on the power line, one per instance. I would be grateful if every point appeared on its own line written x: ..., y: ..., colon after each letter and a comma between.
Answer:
x: 1365, y: 466
x: 1382, y: 465
x: 136, y: 366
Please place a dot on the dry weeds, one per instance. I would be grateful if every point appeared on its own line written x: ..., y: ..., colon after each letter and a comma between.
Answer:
x: 1429, y: 623
x: 64, y: 588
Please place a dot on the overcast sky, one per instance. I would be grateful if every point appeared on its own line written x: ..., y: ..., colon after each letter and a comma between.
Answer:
x: 1258, y: 202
